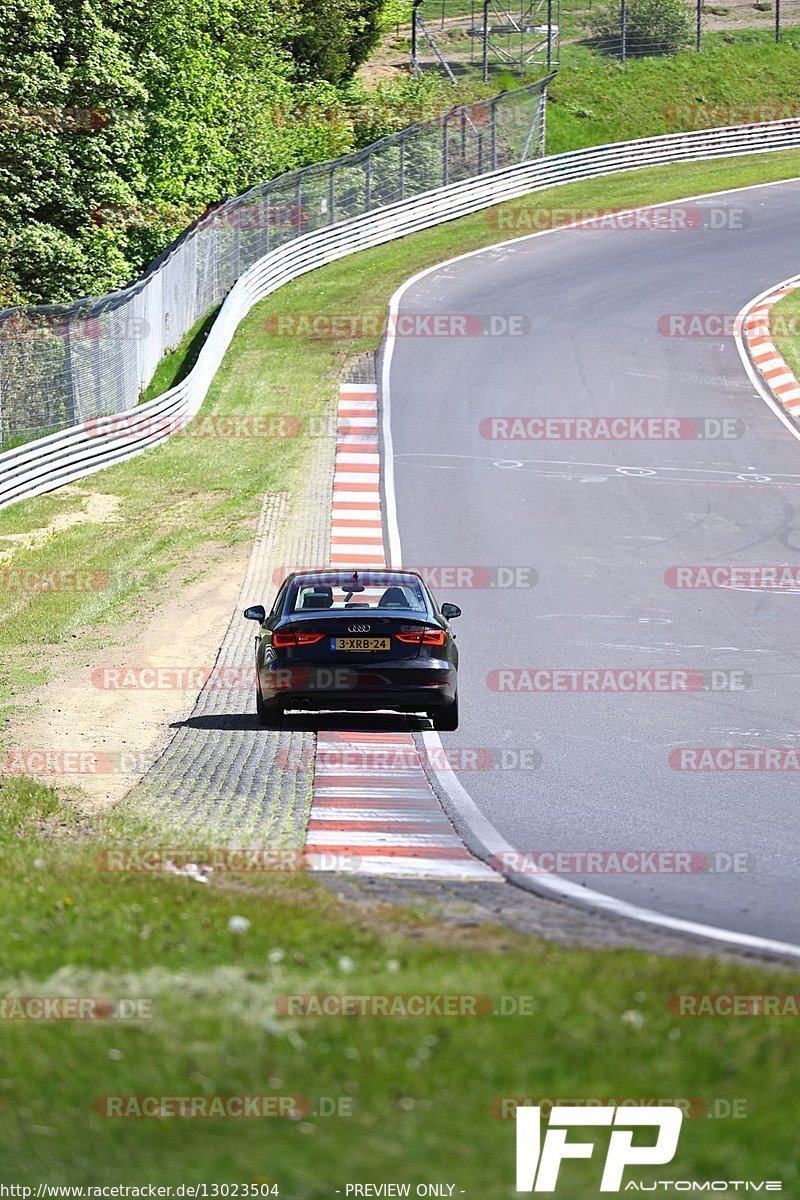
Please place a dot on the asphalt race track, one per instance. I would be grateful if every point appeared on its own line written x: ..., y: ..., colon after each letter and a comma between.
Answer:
x: 601, y: 522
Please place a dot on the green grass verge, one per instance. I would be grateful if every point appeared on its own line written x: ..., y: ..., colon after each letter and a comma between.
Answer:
x: 785, y: 326
x: 415, y: 1098
x: 176, y: 366
x: 597, y: 99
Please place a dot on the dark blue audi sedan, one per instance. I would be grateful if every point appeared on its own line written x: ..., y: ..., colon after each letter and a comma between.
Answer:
x: 365, y: 640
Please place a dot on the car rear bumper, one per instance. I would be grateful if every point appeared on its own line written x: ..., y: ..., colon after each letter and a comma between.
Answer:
x: 415, y: 687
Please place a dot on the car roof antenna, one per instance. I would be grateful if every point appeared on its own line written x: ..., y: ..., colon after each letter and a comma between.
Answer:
x: 351, y: 588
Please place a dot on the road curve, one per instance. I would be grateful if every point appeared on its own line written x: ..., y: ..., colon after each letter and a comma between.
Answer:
x: 601, y: 522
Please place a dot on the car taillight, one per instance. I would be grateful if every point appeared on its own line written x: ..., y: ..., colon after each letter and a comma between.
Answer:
x: 434, y: 637
x: 284, y: 638
x: 425, y: 637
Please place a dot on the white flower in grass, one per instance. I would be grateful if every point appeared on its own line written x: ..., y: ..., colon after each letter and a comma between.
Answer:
x: 346, y: 964
x: 238, y: 925
x: 276, y: 956
x: 633, y: 1017
x: 116, y: 1055
x: 393, y: 964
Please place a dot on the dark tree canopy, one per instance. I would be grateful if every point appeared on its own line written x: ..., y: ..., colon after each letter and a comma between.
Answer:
x: 120, y: 121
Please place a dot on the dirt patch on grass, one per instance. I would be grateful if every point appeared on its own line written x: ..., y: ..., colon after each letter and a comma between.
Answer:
x: 111, y: 735
x: 97, y: 508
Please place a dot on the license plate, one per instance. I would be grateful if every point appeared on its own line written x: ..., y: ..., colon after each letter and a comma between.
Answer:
x: 360, y: 645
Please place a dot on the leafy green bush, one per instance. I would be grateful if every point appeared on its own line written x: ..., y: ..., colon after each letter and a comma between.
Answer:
x: 652, y: 26
x: 121, y: 122
x: 334, y: 37
x: 394, y: 13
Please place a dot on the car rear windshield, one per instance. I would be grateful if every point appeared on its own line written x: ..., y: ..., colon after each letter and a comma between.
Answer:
x: 335, y: 592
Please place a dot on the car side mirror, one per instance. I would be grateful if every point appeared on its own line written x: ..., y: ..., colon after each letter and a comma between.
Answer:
x: 256, y: 612
x: 450, y: 610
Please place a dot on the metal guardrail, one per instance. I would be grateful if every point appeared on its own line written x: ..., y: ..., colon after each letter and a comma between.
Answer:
x: 74, y: 453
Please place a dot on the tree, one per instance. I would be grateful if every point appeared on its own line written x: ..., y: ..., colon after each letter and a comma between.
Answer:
x: 336, y: 36
x: 120, y: 122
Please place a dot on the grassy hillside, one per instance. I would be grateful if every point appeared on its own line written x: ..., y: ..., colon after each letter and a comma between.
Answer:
x: 596, y: 99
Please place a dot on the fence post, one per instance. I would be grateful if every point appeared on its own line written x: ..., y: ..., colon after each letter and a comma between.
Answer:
x: 402, y: 171
x: 368, y: 182
x: 623, y: 28
x: 699, y: 24
x: 543, y: 121
x: 445, y: 170
x: 331, y: 192
x: 414, y: 63
x: 777, y: 20
x: 486, y: 40
x: 69, y: 376
x: 493, y: 107
x: 549, y: 34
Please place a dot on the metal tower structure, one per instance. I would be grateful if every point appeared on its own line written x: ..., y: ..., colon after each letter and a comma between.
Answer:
x: 520, y: 36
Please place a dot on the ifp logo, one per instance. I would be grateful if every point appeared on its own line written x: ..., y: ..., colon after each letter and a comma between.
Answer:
x: 538, y: 1163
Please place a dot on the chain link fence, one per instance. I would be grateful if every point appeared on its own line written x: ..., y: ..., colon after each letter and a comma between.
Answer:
x: 64, y: 364
x: 485, y: 38
x: 615, y: 27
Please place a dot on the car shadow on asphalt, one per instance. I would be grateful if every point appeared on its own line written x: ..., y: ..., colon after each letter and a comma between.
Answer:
x: 297, y: 722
